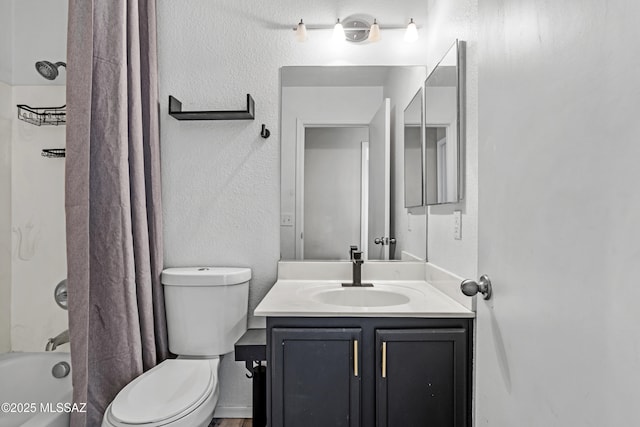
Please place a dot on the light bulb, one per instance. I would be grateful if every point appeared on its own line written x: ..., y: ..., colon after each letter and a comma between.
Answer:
x: 338, y: 32
x: 301, y: 32
x: 374, y: 32
x: 411, y: 34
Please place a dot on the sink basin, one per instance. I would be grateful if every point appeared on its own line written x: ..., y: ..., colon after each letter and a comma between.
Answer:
x: 360, y: 297
x: 320, y: 297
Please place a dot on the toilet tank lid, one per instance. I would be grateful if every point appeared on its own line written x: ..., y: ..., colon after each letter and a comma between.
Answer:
x: 205, y: 276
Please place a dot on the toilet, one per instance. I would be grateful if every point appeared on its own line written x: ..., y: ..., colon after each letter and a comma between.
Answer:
x: 206, y: 314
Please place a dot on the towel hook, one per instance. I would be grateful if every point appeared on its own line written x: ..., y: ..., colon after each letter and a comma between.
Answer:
x: 265, y: 133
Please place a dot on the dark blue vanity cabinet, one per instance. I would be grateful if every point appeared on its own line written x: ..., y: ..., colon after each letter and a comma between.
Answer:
x: 315, y: 376
x: 368, y: 372
x: 424, y: 380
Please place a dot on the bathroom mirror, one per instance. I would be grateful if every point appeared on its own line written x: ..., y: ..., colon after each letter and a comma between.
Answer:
x: 340, y: 127
x: 413, y: 152
x: 444, y: 129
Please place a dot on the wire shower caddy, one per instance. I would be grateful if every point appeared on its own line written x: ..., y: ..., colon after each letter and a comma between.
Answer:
x: 44, y: 116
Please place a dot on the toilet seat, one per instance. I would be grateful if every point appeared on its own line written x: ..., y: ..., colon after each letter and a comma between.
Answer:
x: 166, y: 394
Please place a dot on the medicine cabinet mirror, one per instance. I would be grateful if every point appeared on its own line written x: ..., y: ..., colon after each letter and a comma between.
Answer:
x: 444, y: 129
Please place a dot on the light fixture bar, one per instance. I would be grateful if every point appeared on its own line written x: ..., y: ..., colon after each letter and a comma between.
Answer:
x: 355, y: 30
x: 330, y: 27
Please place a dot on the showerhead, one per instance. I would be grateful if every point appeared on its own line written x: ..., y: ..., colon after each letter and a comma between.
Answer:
x: 49, y: 70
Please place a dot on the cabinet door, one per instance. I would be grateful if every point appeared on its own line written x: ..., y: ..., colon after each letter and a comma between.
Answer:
x: 421, y: 378
x: 315, y: 377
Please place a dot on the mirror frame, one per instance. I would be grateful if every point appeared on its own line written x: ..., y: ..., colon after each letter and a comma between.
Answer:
x: 460, y: 46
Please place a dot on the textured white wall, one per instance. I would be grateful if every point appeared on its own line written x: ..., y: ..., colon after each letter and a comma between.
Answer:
x: 559, y: 98
x: 221, y: 179
x: 450, y: 20
x: 6, y: 112
x: 38, y: 259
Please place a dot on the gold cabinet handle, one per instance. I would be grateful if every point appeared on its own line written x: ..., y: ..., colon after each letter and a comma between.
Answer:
x: 384, y: 359
x: 355, y: 358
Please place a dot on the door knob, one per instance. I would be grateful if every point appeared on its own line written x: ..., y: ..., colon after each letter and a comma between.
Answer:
x: 471, y: 287
x: 384, y: 241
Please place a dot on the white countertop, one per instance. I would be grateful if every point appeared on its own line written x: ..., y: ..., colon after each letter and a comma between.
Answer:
x: 302, y: 298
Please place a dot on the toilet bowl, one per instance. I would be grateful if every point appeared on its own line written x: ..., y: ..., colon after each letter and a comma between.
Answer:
x: 176, y: 393
x: 206, y: 314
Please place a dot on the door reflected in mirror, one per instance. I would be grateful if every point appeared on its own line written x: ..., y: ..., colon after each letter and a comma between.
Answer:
x: 413, y: 149
x: 335, y: 174
x: 338, y: 126
x: 444, y: 119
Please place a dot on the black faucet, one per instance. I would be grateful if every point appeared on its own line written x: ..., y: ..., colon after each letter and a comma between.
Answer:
x: 357, y: 261
x: 352, y: 249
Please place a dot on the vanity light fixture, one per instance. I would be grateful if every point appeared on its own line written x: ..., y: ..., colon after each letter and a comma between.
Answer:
x: 338, y: 32
x: 355, y: 29
x: 301, y: 32
x: 374, y: 32
x: 411, y: 35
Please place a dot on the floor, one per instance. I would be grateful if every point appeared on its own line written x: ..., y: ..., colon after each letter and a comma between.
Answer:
x: 231, y: 422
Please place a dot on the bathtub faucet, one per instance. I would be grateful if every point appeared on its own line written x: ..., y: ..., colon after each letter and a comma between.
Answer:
x: 61, y: 338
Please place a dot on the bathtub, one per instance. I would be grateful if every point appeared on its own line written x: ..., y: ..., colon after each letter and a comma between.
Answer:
x: 29, y: 393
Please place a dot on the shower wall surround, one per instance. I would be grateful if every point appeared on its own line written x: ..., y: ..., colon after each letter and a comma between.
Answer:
x: 36, y: 30
x: 32, y: 239
x: 32, y: 223
x: 38, y: 257
x: 221, y: 181
x: 6, y: 111
x: 6, y: 45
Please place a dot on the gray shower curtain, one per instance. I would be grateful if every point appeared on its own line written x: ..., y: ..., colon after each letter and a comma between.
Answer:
x: 113, y: 207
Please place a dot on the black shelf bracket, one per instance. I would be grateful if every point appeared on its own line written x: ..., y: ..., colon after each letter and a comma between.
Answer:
x: 175, y: 110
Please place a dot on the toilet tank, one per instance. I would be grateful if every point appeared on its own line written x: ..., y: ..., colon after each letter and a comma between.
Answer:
x: 206, y: 308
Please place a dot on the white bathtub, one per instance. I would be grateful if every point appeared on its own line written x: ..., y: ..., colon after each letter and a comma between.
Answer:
x: 29, y: 389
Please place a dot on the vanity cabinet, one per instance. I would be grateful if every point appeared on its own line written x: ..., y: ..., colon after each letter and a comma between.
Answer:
x: 422, y: 379
x: 315, y: 377
x: 368, y: 372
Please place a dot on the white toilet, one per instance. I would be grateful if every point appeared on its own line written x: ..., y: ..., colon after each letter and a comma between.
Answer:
x: 206, y: 314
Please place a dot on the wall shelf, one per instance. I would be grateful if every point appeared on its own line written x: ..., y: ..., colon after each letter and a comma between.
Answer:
x: 175, y: 110
x: 39, y: 116
x: 53, y: 153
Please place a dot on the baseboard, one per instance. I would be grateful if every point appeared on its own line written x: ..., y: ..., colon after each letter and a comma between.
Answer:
x: 233, y: 412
